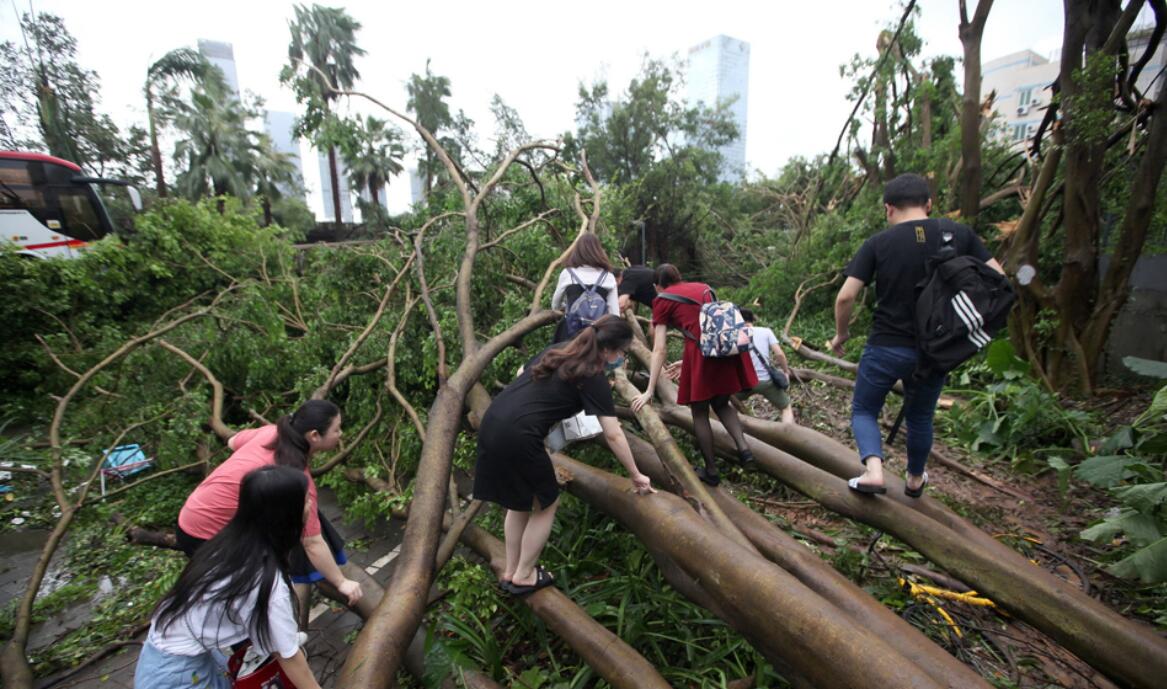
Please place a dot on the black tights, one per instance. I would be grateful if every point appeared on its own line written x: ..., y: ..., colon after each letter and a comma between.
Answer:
x: 704, y: 431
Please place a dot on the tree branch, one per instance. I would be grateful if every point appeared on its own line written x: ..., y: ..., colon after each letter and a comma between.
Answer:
x: 216, y: 421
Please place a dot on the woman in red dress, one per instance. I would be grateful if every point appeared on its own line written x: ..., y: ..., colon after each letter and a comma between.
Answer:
x: 705, y: 381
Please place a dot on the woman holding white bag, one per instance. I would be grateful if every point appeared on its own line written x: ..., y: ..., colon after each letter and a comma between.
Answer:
x: 513, y: 467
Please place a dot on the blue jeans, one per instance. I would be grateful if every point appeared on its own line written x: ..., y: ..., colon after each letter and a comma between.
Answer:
x: 879, y: 369
x: 159, y: 670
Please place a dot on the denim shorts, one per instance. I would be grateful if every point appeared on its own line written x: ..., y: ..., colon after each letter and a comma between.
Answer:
x: 160, y: 670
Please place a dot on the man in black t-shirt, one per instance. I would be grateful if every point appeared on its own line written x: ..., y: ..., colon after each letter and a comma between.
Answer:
x: 895, y: 258
x: 635, y: 283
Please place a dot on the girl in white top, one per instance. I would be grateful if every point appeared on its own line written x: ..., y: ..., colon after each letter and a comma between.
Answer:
x: 234, y: 588
x: 590, y: 264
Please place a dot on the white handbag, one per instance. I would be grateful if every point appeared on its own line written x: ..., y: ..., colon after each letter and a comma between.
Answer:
x: 582, y: 426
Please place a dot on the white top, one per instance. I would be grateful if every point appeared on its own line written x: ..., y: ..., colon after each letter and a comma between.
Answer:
x: 219, y: 628
x: 588, y: 276
x: 763, y: 338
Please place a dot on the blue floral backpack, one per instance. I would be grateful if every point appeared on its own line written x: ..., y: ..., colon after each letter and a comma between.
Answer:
x: 723, y: 330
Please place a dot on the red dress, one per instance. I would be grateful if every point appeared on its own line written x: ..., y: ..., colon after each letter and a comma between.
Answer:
x: 702, y: 378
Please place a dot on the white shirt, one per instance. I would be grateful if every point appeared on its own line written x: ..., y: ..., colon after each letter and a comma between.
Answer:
x: 588, y: 276
x: 202, y: 628
x: 763, y: 338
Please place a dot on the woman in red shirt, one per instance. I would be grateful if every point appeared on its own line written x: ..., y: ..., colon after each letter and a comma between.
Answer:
x: 705, y: 381
x: 314, y: 427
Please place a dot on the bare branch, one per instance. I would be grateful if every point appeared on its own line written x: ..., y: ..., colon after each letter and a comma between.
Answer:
x: 419, y: 251
x: 221, y: 429
x: 498, y: 240
x: 66, y: 369
x: 391, y: 373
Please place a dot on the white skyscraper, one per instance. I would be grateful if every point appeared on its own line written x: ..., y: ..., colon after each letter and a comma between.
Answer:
x: 719, y: 72
x: 279, y: 127
x: 221, y: 55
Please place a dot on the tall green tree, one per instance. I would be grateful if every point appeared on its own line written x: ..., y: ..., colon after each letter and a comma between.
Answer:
x: 325, y: 39
x: 215, y: 150
x: 427, y: 102
x: 372, y: 153
x: 180, y: 64
x: 44, y: 84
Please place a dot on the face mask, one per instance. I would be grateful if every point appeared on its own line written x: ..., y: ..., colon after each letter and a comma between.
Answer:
x: 613, y: 365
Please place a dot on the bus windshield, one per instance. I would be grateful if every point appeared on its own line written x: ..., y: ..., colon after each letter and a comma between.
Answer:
x: 48, y: 192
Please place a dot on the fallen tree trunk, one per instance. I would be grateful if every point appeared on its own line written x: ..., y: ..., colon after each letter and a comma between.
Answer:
x: 816, y: 639
x: 617, y: 662
x: 1123, y: 649
x: 378, y: 649
x: 778, y: 547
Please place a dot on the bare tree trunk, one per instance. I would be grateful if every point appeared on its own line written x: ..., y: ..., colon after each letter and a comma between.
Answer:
x: 334, y: 177
x: 155, y: 151
x: 1122, y: 649
x: 970, y: 111
x: 771, y: 605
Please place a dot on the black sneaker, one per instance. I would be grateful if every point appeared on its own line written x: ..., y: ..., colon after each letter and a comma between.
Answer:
x: 707, y: 478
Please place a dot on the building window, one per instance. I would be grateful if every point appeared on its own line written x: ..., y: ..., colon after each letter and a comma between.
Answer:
x: 1019, y: 132
x: 1024, y: 98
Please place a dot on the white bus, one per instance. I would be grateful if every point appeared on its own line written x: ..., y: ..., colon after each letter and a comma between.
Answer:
x: 49, y: 207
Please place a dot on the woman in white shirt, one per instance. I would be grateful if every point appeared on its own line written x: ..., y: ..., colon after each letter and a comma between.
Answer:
x: 235, y: 587
x: 587, y: 266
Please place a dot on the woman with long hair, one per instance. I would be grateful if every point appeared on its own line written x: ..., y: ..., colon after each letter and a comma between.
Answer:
x: 587, y: 267
x: 291, y: 442
x: 705, y: 381
x: 235, y: 587
x: 513, y: 468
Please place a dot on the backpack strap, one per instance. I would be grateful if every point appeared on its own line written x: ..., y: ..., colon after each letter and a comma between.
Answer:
x: 574, y: 278
x: 681, y: 299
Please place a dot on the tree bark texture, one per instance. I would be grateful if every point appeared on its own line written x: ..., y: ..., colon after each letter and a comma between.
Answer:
x: 1123, y: 649
x: 377, y: 653
x: 819, y: 576
x: 816, y: 639
x: 335, y: 179
x: 970, y: 109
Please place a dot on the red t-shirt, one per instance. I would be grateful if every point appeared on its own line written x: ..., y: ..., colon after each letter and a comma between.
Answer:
x: 213, y: 503
x: 702, y: 378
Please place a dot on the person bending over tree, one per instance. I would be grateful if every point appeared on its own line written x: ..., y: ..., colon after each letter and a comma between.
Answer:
x: 766, y: 344
x: 513, y: 468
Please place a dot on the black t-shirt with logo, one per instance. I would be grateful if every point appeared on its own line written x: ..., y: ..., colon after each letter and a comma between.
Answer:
x: 895, y: 259
x: 637, y: 282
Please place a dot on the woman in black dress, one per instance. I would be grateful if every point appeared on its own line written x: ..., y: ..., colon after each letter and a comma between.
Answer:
x: 513, y: 468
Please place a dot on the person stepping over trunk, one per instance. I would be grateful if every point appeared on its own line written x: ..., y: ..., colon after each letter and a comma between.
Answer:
x: 771, y: 367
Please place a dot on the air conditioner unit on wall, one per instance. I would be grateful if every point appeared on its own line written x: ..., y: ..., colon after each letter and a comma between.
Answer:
x: 1022, y: 109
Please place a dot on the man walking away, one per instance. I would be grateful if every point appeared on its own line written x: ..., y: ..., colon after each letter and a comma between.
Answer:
x: 765, y: 344
x: 895, y: 258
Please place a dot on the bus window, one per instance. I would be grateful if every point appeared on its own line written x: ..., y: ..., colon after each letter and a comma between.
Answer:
x: 78, y: 214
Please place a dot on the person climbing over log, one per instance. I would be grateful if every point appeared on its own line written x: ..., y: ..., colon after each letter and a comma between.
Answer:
x: 314, y: 427
x: 635, y: 285
x: 513, y: 468
x: 234, y: 588
x: 586, y: 289
x: 895, y: 258
x: 765, y: 344
x: 705, y: 381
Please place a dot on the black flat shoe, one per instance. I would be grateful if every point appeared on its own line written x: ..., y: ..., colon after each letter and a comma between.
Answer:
x: 745, y: 458
x: 707, y: 478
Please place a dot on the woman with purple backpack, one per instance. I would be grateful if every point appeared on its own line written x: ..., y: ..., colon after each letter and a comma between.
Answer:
x: 587, y: 274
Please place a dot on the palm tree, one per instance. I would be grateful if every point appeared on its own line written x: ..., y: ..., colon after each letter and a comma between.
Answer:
x: 427, y: 102
x: 373, y: 154
x: 325, y: 38
x: 216, y: 149
x: 177, y: 65
x: 274, y: 173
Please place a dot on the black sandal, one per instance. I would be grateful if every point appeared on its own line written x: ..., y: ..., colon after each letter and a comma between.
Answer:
x: 919, y: 491
x: 745, y: 458
x: 543, y: 579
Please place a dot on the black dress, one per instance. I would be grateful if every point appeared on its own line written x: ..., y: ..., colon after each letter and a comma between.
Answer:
x: 513, y: 468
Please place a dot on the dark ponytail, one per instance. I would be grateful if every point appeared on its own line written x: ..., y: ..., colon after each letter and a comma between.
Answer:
x: 290, y: 444
x: 583, y: 356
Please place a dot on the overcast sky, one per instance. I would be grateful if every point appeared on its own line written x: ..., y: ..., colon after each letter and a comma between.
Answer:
x: 535, y: 54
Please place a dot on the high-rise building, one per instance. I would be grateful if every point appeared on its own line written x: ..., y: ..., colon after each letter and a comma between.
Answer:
x: 718, y: 72
x: 1021, y: 82
x: 346, y: 201
x: 279, y: 126
x: 221, y: 55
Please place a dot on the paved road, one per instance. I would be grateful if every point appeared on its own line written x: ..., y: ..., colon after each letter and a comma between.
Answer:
x: 329, y: 630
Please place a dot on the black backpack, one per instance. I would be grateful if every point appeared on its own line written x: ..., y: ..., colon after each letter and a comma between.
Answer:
x: 960, y: 305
